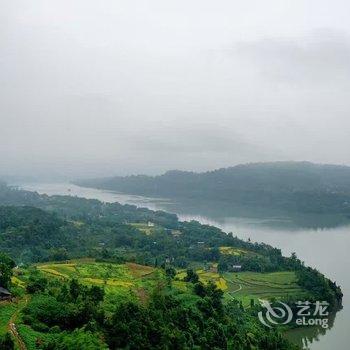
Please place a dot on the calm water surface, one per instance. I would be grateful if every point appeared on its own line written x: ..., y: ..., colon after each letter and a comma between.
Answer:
x: 327, y: 249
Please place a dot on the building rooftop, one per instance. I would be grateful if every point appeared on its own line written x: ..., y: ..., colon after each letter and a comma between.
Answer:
x: 4, y: 291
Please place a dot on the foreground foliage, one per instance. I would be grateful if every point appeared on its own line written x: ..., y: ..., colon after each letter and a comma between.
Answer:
x: 67, y: 315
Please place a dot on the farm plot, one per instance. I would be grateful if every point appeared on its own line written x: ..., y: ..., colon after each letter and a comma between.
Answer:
x: 144, y: 228
x: 235, y: 251
x: 117, y: 279
x: 253, y: 285
x: 204, y: 277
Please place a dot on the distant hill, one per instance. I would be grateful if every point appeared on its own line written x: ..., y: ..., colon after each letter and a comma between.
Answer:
x: 291, y: 186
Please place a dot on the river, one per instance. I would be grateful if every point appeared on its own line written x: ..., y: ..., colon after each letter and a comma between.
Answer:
x: 324, y: 247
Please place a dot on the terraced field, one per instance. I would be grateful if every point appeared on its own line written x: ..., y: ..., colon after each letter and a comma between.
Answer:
x: 235, y: 251
x: 245, y: 286
x: 129, y: 281
x: 205, y: 277
x: 144, y: 228
x: 132, y: 280
x: 120, y: 279
x: 120, y: 282
x: 254, y: 285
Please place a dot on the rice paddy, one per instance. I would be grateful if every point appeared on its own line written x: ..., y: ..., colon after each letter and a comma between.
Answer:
x: 245, y: 286
x: 116, y: 279
x: 253, y: 285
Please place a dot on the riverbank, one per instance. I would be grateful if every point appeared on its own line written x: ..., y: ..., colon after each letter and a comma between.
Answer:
x: 323, y: 248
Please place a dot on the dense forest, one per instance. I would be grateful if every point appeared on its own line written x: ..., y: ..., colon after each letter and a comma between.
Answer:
x: 67, y: 314
x: 298, y: 187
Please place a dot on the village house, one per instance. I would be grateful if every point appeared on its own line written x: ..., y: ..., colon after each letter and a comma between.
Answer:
x: 176, y: 233
x: 235, y: 268
x: 5, y: 294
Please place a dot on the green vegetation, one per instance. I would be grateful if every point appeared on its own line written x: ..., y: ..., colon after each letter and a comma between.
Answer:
x: 143, y: 227
x: 92, y: 275
x: 287, y: 187
x: 233, y: 251
x: 72, y: 310
x: 246, y: 286
x: 6, y: 266
x: 65, y: 295
x: 7, y: 309
x: 125, y: 281
x: 30, y: 337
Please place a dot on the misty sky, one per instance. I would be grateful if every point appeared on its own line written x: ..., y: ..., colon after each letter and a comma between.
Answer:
x: 95, y: 88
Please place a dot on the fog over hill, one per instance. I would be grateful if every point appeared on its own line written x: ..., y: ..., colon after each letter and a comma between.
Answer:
x: 91, y: 88
x: 297, y: 186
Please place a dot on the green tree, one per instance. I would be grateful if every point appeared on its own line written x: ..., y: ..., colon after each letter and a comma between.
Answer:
x: 74, y: 289
x: 78, y: 340
x: 170, y: 272
x: 6, y: 266
x: 36, y: 283
x: 6, y: 342
x: 191, y: 276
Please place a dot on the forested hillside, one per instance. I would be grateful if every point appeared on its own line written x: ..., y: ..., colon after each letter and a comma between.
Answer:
x: 291, y: 186
x: 93, y: 275
x: 69, y: 227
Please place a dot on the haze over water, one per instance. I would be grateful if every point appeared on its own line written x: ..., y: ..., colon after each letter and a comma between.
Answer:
x: 323, y: 248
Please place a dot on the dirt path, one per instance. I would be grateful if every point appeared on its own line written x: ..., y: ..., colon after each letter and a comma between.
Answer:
x: 234, y: 291
x: 17, y: 337
x: 237, y: 290
x: 13, y: 329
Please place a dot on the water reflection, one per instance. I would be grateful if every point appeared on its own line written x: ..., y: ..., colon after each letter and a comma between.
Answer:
x: 307, y: 336
x: 263, y: 217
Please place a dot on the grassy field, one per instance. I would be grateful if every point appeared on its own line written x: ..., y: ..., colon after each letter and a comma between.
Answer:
x: 7, y: 309
x: 130, y: 280
x: 245, y: 286
x: 29, y: 336
x: 143, y: 227
x: 204, y: 276
x: 254, y: 285
x: 119, y: 280
x: 10, y: 313
x: 235, y: 251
